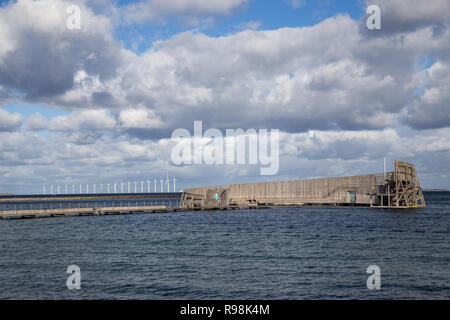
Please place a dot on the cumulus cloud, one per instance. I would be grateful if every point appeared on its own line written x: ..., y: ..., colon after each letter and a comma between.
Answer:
x: 85, y: 120
x: 326, y: 76
x: 432, y: 108
x: 31, y: 150
x: 293, y: 78
x: 56, y: 159
x: 139, y: 119
x: 36, y: 122
x: 343, y: 98
x: 9, y: 121
x: 40, y: 55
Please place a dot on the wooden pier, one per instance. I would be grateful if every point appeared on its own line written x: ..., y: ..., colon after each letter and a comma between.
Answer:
x: 82, y: 211
x: 399, y: 189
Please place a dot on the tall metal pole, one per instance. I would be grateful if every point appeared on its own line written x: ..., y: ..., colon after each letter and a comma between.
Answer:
x: 174, y: 180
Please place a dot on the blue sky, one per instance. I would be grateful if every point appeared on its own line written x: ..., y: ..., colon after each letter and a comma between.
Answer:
x: 27, y: 110
x: 267, y: 14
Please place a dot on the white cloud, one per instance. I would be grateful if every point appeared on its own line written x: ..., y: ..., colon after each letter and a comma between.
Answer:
x: 356, y: 91
x: 325, y: 76
x: 36, y: 122
x: 85, y: 120
x: 432, y: 108
x: 8, y: 121
x: 40, y: 56
x: 55, y: 159
x: 294, y: 78
x: 139, y: 119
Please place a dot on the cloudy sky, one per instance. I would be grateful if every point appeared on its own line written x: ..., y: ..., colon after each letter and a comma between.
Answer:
x: 99, y: 104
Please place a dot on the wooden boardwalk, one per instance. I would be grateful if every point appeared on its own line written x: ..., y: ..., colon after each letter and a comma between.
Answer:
x: 82, y: 211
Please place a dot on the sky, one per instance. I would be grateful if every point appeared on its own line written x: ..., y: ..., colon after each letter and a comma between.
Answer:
x: 99, y: 103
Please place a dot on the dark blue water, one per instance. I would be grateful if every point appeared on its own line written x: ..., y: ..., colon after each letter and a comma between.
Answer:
x: 295, y: 253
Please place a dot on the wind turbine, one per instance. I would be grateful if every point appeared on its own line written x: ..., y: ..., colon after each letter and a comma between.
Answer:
x: 148, y: 185
x: 73, y: 188
x: 121, y: 187
x: 108, y: 187
x: 142, y: 186
x: 129, y: 183
x: 174, y: 189
x: 168, y: 183
x: 155, y: 181
x: 87, y: 188
x: 135, y: 187
x: 44, y: 190
x: 66, y: 188
x: 101, y: 187
x: 162, y: 188
x: 94, y: 188
x: 80, y: 188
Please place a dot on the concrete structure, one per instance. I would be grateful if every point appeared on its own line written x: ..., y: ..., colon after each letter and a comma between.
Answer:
x: 398, y: 189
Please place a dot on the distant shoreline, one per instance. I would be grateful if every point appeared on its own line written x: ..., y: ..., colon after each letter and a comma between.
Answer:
x: 436, y: 190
